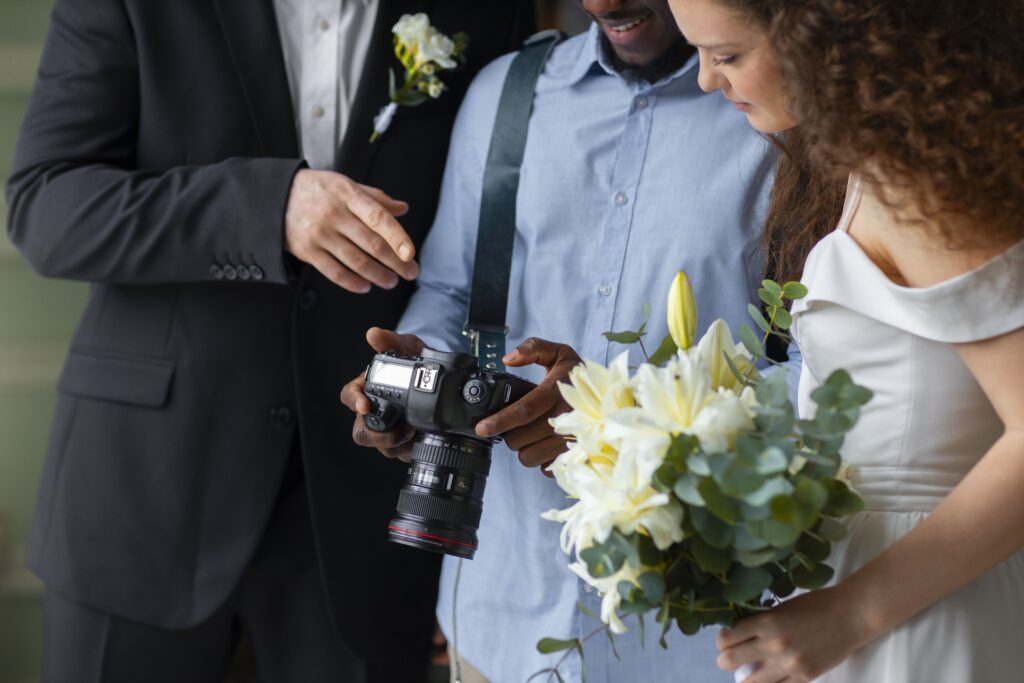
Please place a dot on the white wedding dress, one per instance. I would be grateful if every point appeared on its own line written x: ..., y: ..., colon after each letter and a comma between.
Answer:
x: 928, y: 424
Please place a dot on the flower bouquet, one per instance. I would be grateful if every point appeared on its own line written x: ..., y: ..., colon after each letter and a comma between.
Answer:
x: 698, y: 495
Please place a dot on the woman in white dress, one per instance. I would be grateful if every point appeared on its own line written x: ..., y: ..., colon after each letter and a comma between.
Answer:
x: 919, y: 293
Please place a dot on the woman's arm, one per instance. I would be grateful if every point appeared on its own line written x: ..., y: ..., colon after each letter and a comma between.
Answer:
x: 981, y: 523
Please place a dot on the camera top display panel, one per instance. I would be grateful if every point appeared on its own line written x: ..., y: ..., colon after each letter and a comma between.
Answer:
x: 402, y: 373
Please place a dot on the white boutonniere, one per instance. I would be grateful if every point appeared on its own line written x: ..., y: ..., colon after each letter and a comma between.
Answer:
x: 423, y: 51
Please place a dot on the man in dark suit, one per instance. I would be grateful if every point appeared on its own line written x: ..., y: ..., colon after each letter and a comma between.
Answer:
x: 200, y: 481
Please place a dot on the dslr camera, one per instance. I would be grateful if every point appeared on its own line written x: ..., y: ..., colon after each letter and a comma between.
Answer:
x: 442, y: 396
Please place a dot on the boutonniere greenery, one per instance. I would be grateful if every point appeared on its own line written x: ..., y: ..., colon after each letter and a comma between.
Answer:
x: 424, y: 52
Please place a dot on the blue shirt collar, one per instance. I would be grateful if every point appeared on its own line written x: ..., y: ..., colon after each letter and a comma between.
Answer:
x: 591, y: 61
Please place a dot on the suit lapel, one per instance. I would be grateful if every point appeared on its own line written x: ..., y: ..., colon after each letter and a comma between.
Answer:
x: 250, y: 28
x: 356, y: 154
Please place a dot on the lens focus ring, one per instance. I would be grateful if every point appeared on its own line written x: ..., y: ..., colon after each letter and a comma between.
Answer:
x: 446, y: 456
x: 438, y: 509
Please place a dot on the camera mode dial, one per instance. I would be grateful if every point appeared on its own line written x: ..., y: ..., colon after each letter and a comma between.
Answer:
x: 475, y: 391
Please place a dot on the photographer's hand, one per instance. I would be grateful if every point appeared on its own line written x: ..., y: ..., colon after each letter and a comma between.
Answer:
x: 524, y: 424
x: 396, y: 443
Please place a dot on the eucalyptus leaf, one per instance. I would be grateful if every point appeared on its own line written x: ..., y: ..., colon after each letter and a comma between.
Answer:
x: 812, y: 493
x: 778, y: 486
x: 778, y: 533
x: 751, y: 341
x: 755, y: 558
x: 697, y: 463
x: 602, y: 560
x: 758, y: 317
x: 624, y: 337
x: 783, y: 319
x: 770, y: 298
x: 784, y: 509
x: 585, y: 610
x: 813, y: 549
x: 746, y: 583
x: 722, y: 506
x: 548, y: 645
x: 709, y: 558
x: 742, y: 478
x: 745, y: 539
x: 831, y: 530
x: 772, y: 286
x: 811, y: 579
x: 842, y: 501
x: 772, y: 461
x: 686, y: 490
x: 652, y: 583
x: 611, y: 640
x: 665, y: 351
x: 794, y: 290
x: 712, y: 529
x: 689, y: 623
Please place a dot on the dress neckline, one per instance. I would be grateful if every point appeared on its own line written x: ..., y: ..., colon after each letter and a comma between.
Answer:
x: 856, y: 193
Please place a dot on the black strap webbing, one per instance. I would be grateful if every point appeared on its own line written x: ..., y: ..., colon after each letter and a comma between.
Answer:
x: 492, y: 267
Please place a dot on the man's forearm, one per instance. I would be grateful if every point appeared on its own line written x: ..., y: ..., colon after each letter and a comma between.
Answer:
x: 99, y: 223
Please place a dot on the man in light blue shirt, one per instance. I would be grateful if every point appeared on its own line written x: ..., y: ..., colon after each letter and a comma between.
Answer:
x: 624, y: 182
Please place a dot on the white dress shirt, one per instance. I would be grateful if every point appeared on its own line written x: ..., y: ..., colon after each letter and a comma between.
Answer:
x: 324, y: 44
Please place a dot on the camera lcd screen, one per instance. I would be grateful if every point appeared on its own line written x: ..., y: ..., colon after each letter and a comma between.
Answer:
x: 392, y: 375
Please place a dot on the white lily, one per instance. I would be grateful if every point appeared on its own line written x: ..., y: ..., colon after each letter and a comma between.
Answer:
x: 714, y: 346
x: 593, y: 393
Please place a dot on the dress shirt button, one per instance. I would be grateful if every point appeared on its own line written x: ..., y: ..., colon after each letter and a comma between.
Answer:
x: 604, y: 290
x: 281, y: 415
x: 318, y: 112
x: 588, y: 589
x: 255, y: 273
x: 323, y: 25
x: 641, y: 102
x: 230, y: 273
x: 307, y: 300
x: 621, y: 199
x: 216, y: 273
x: 242, y: 272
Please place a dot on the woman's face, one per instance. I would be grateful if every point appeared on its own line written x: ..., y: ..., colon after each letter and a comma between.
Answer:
x: 735, y: 58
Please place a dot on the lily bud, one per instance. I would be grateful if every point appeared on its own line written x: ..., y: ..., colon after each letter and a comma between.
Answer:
x: 682, y: 312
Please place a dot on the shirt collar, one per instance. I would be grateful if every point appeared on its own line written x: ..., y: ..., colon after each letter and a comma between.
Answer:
x: 591, y: 60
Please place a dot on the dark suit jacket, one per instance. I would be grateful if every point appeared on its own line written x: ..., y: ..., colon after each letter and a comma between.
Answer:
x: 155, y: 163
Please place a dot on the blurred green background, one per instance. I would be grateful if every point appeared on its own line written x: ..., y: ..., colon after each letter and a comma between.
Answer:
x: 36, y: 319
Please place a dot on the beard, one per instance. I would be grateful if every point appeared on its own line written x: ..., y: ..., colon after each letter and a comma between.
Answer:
x: 668, y: 62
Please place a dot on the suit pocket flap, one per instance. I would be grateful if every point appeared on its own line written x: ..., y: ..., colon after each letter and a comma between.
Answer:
x: 143, y: 382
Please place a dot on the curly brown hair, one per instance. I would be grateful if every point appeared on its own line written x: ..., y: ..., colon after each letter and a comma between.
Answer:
x: 922, y: 98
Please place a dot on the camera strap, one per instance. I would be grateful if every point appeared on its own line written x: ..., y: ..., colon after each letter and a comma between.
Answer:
x: 492, y: 267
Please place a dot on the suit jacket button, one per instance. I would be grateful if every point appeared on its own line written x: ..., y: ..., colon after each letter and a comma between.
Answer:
x: 255, y: 273
x: 229, y: 273
x: 307, y: 300
x: 243, y: 273
x: 216, y: 273
x: 281, y: 415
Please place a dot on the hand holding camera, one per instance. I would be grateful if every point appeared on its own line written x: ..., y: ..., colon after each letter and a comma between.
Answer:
x: 396, y: 443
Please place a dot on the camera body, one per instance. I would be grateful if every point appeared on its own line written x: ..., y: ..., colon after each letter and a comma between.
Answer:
x: 436, y: 392
x: 442, y: 396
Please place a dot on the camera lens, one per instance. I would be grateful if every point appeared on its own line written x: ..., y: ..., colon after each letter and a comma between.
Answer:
x: 439, y: 506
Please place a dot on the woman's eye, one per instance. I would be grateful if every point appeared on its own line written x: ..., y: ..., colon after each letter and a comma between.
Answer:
x: 724, y: 61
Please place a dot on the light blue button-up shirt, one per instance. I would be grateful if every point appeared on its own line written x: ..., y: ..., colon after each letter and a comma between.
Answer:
x: 623, y: 184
